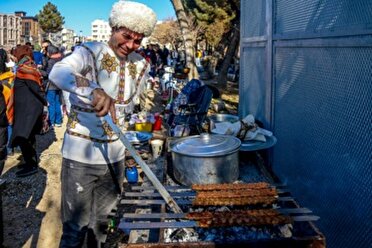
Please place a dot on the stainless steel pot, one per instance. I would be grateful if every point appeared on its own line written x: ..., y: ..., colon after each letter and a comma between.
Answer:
x: 205, y: 159
x: 217, y: 118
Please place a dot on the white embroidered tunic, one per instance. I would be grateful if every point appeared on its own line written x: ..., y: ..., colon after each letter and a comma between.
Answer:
x: 89, y: 138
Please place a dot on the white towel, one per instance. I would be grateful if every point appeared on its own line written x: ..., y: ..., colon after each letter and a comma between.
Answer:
x: 228, y: 128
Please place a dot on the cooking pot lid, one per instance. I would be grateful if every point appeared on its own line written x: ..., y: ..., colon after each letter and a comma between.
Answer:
x: 206, y: 145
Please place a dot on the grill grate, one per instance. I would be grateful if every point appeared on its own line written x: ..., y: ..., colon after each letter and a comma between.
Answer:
x: 147, y: 196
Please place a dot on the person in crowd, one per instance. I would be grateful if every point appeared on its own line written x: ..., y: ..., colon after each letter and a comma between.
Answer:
x: 3, y: 108
x: 159, y: 61
x: 28, y: 107
x: 182, y: 58
x: 12, y: 60
x: 3, y: 130
x: 165, y: 54
x: 151, y: 55
x: 7, y: 82
x: 198, y: 57
x: 3, y: 60
x: 53, y: 93
x: 44, y: 46
x: 38, y: 55
x: 141, y: 51
x: 175, y: 57
x: 147, y: 53
x: 105, y: 81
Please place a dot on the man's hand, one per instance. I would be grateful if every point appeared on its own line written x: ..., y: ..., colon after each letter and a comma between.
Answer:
x: 103, y: 104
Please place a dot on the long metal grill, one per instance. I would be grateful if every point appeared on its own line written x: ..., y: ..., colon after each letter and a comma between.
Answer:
x: 261, y: 224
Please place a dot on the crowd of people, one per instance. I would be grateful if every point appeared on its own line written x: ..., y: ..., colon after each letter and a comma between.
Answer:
x: 40, y: 59
x: 26, y: 91
x: 160, y: 57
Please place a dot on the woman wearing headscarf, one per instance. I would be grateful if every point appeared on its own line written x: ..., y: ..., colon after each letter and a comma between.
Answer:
x: 3, y: 130
x: 28, y: 108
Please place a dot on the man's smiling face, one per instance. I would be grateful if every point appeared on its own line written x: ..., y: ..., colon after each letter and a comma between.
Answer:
x: 124, y: 41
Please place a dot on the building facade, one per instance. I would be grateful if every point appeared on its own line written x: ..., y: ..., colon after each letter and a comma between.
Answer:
x: 68, y: 38
x: 31, y: 31
x: 10, y: 30
x: 100, y: 31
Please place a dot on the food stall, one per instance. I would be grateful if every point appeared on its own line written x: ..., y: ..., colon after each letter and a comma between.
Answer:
x: 209, y: 195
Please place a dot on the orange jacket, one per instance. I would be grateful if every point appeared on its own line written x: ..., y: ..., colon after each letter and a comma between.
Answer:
x: 7, y: 80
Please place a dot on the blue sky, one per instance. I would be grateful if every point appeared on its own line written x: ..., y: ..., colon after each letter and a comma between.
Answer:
x: 80, y: 13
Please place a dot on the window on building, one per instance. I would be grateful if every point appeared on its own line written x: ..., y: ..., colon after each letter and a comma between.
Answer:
x: 27, y: 29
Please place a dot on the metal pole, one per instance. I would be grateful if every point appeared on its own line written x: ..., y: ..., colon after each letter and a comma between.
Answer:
x: 155, y: 181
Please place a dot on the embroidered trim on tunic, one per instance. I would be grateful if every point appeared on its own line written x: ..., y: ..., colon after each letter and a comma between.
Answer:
x: 82, y: 109
x: 81, y: 81
x: 72, y: 119
x: 108, y: 63
x: 89, y: 138
x: 94, y: 62
x: 137, y: 82
x: 107, y: 130
x: 132, y: 68
x: 120, y: 97
x: 137, y: 85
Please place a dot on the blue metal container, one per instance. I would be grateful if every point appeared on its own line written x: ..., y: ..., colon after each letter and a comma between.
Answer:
x: 131, y: 174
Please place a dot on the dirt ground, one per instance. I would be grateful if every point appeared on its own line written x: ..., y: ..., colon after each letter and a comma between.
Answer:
x: 31, y: 205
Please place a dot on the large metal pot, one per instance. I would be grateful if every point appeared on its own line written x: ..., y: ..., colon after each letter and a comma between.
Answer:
x: 205, y: 159
x: 217, y: 118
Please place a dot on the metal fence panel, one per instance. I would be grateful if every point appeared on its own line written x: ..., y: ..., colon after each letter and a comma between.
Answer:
x: 319, y: 100
x: 253, y: 18
x: 323, y: 122
x: 314, y: 17
x: 253, y: 75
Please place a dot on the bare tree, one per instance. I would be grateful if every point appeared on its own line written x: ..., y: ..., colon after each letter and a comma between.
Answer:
x: 168, y: 32
x: 231, y: 49
x: 188, y: 37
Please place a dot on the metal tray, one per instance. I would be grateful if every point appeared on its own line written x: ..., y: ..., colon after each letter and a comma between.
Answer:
x: 138, y: 137
x: 255, y: 145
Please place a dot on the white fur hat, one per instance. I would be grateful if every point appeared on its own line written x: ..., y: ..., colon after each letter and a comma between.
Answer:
x: 132, y: 15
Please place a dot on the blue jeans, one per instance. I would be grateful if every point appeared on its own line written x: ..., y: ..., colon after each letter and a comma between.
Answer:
x: 3, y: 146
x: 10, y: 130
x: 54, y: 108
x: 88, y: 196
